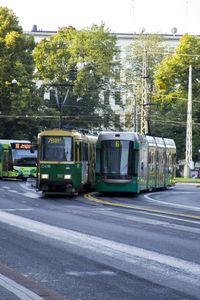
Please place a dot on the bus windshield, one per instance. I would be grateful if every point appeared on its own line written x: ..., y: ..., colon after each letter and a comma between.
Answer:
x: 24, y: 157
x: 117, y: 158
x: 57, y: 148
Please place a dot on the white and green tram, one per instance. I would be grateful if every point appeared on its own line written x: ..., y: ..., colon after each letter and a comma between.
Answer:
x: 129, y: 162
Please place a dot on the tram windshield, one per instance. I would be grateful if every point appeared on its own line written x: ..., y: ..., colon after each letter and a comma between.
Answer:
x: 57, y: 148
x: 117, y: 158
x: 24, y: 157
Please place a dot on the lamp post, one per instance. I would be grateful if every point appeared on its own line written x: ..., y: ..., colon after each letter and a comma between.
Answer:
x: 188, y: 155
x: 14, y: 81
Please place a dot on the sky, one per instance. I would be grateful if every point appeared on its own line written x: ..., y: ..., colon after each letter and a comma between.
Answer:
x: 119, y: 16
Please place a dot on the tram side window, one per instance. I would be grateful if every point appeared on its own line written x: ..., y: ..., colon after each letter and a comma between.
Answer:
x: 151, y: 161
x: 90, y: 154
x: 76, y: 151
x: 83, y: 152
x: 160, y: 160
x: 135, y: 160
x: 132, y: 160
x: 167, y: 162
x: 98, y: 161
x: 174, y: 164
x: 170, y: 163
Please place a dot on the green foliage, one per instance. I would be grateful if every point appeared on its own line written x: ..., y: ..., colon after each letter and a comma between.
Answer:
x: 173, y: 73
x: 133, y: 65
x: 16, y: 100
x: 153, y: 45
x: 86, y: 61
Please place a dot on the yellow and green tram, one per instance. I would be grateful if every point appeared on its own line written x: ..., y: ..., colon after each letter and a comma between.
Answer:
x: 129, y: 162
x: 66, y: 161
x: 17, y: 159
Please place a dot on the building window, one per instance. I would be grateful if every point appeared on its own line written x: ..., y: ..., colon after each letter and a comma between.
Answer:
x: 106, y: 120
x: 128, y: 120
x: 117, y: 120
x: 106, y: 97
x: 117, y: 98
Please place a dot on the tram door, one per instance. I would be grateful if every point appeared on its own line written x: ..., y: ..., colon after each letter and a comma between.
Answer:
x: 83, y: 155
x: 91, y: 164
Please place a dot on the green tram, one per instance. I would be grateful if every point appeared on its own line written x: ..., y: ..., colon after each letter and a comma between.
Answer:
x: 129, y: 162
x: 17, y: 159
x: 66, y: 161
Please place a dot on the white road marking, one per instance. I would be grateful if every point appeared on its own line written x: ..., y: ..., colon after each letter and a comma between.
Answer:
x: 17, y: 209
x: 5, y: 187
x: 89, y: 273
x: 28, y: 192
x: 154, y: 222
x: 142, y: 258
x: 17, y: 289
x: 149, y: 198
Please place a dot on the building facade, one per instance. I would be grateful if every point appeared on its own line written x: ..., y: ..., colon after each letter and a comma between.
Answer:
x: 129, y: 114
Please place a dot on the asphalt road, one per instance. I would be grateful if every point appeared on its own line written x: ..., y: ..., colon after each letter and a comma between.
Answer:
x: 99, y: 246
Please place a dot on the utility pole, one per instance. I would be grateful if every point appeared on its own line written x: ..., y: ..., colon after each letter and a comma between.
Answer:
x: 144, y: 109
x: 135, y: 114
x: 133, y: 16
x: 61, y: 104
x: 186, y: 15
x: 188, y: 156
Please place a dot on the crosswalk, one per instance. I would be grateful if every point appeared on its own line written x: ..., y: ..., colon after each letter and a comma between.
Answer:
x: 26, y: 190
x: 164, y: 269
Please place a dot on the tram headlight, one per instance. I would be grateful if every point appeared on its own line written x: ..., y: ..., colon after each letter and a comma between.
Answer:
x: 45, y: 176
x: 67, y: 176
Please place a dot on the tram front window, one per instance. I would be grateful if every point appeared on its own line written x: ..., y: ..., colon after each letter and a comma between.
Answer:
x: 57, y: 148
x: 117, y: 159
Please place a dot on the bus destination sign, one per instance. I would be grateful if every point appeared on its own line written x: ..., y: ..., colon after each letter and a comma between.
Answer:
x: 22, y: 146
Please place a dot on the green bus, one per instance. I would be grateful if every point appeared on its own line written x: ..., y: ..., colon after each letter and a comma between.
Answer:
x: 66, y: 161
x: 17, y: 159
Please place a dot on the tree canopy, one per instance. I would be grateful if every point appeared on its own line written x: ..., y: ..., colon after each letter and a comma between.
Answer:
x: 152, y: 44
x: 19, y: 99
x: 172, y: 73
x: 85, y: 61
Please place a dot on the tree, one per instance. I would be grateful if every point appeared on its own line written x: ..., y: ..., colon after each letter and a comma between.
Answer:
x: 85, y: 61
x: 153, y: 45
x: 19, y: 100
x: 172, y: 73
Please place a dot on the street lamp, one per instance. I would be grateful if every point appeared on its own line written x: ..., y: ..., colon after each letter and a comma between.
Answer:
x: 14, y: 81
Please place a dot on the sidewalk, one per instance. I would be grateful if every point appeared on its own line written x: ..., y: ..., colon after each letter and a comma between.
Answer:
x: 188, y: 183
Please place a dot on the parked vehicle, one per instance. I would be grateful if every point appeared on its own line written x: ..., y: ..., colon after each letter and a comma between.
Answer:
x: 17, y: 159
